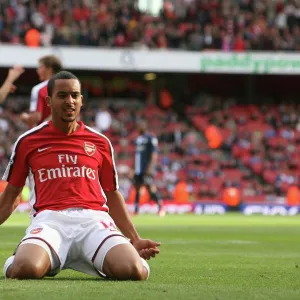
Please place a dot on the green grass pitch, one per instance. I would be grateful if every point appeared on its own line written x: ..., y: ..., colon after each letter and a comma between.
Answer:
x: 202, y: 257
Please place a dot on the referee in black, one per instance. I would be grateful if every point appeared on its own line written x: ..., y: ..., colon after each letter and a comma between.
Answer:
x: 146, y: 152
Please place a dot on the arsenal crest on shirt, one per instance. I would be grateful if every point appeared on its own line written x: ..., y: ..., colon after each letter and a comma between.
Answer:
x: 89, y: 148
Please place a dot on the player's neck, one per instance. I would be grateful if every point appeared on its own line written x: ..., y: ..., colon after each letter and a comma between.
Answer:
x: 47, y: 77
x: 65, y: 127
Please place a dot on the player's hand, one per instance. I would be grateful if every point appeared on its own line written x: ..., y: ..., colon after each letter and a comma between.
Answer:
x: 12, y: 88
x: 146, y: 248
x: 147, y: 173
x: 24, y: 117
x: 15, y: 72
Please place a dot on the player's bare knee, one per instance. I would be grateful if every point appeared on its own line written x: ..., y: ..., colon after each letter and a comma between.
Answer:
x: 133, y: 270
x: 127, y: 271
x: 137, y: 271
x: 27, y: 270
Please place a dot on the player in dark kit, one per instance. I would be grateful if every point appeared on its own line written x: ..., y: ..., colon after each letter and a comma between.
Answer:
x: 146, y: 149
x: 79, y: 218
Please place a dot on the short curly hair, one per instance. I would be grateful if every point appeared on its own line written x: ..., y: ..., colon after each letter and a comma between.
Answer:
x: 59, y: 75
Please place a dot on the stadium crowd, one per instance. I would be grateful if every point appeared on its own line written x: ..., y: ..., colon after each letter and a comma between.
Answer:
x: 257, y: 153
x: 264, y: 138
x: 10, y: 128
x: 182, y: 24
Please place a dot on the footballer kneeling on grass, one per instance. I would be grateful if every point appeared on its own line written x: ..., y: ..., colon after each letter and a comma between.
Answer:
x: 76, y: 206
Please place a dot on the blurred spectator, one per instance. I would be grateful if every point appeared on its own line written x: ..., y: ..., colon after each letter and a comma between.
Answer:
x: 293, y: 196
x: 166, y: 99
x: 181, y: 192
x: 231, y: 197
x: 213, y: 136
x: 103, y: 119
x: 32, y: 38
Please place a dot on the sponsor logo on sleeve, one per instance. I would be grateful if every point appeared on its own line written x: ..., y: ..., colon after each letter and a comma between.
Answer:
x: 36, y: 230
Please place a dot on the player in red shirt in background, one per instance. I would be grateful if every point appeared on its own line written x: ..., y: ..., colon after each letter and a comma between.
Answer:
x: 77, y: 206
x: 39, y: 111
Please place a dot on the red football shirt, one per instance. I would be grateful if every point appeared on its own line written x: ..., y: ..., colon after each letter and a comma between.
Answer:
x: 67, y: 171
x: 38, y: 101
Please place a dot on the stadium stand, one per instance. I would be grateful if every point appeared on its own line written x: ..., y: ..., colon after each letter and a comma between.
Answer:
x: 257, y: 155
x: 185, y: 24
x: 263, y: 138
x: 184, y: 153
x: 226, y: 144
x: 10, y: 128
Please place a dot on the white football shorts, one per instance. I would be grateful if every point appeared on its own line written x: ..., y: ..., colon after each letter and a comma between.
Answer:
x: 73, y: 238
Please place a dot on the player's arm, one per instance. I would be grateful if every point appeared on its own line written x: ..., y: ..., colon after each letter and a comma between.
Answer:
x: 15, y: 174
x: 119, y: 213
x: 31, y: 118
x: 117, y: 207
x: 9, y: 200
x: 7, y: 87
x: 154, y: 155
x: 152, y: 162
x: 34, y: 116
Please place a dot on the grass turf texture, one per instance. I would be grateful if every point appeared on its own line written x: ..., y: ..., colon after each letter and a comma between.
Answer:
x: 202, y: 257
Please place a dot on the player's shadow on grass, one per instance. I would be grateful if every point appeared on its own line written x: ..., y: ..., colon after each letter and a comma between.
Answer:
x: 82, y: 279
x: 74, y: 279
x: 69, y: 279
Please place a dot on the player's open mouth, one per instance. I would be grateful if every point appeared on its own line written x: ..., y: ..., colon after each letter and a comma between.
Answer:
x: 69, y: 110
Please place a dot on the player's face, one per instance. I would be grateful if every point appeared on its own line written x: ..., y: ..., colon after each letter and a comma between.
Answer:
x: 43, y: 72
x: 66, y: 100
x: 142, y: 128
